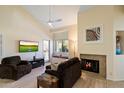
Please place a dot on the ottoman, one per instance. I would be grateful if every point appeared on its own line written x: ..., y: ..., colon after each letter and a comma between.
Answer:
x: 47, y: 81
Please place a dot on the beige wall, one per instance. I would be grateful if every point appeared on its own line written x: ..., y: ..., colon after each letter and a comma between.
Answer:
x: 121, y: 34
x: 17, y: 24
x: 72, y: 37
x: 118, y: 26
x: 99, y: 15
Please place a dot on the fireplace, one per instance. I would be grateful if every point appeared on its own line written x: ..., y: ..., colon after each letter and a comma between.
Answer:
x: 94, y: 63
x: 90, y: 65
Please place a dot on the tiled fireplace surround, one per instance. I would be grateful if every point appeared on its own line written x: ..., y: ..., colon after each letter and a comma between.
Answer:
x: 102, y: 62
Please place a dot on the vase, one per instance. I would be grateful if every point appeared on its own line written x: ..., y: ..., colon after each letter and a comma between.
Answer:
x: 118, y: 45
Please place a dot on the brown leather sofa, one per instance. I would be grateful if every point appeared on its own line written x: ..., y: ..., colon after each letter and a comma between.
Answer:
x: 13, y: 68
x: 67, y: 72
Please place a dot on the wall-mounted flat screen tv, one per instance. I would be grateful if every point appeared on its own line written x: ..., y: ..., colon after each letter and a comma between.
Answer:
x: 28, y: 46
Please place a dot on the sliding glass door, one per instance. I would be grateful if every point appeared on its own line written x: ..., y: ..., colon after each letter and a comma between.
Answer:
x: 46, y: 50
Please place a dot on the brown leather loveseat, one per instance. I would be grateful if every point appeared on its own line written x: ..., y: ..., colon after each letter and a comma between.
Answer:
x: 68, y: 72
x: 13, y: 68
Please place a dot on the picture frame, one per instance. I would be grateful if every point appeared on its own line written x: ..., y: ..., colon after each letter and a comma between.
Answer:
x: 93, y: 34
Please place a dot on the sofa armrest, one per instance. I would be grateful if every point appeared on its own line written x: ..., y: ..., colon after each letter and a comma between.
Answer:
x: 52, y: 72
x: 48, y: 67
x: 8, y: 71
x: 8, y: 66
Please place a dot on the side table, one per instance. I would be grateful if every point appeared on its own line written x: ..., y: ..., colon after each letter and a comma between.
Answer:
x: 37, y: 62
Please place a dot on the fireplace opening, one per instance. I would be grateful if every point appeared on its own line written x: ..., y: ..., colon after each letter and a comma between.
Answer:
x: 90, y: 65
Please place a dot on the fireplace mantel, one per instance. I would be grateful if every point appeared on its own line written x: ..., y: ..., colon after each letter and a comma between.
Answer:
x: 94, y: 54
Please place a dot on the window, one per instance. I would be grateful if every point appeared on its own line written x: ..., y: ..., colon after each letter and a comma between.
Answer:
x: 64, y: 45
x: 60, y: 45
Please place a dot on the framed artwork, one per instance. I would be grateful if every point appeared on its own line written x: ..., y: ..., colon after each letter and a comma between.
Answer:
x: 94, y: 34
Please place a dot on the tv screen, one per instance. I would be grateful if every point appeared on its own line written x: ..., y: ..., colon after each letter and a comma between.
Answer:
x: 28, y: 46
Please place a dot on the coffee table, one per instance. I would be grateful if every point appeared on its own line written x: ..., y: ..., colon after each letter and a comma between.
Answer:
x: 47, y: 81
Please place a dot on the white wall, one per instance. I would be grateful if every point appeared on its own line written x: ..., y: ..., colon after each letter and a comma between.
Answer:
x: 99, y: 15
x: 17, y: 24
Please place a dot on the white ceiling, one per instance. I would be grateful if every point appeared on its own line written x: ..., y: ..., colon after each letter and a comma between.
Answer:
x: 68, y: 13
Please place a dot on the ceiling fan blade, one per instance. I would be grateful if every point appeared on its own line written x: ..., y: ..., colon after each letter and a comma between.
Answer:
x: 57, y: 20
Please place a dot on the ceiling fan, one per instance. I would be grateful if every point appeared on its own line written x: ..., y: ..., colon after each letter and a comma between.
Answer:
x: 50, y: 21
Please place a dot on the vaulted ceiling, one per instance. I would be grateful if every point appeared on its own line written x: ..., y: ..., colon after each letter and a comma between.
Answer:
x: 68, y: 14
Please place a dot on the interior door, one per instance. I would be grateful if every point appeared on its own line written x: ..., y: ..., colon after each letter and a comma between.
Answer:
x: 46, y: 50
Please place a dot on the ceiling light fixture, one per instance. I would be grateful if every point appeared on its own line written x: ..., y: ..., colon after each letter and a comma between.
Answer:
x: 50, y: 24
x: 50, y: 21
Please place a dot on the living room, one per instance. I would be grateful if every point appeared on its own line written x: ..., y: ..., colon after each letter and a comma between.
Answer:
x: 67, y: 37
x: 26, y: 29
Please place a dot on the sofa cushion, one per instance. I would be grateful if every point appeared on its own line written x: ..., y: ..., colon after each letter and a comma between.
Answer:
x: 67, y: 63
x: 14, y: 60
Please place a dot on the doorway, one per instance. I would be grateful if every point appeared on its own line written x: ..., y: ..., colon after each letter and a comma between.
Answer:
x: 46, y: 50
